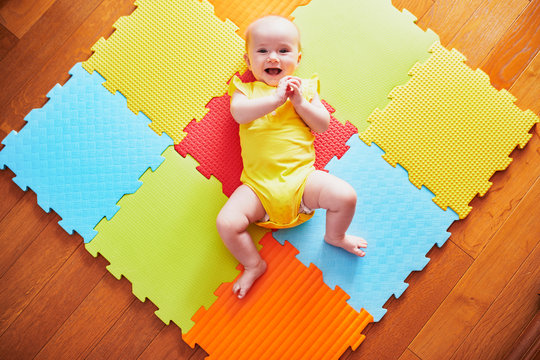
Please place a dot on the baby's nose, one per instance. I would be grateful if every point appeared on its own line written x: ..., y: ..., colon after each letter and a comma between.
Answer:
x: 272, y: 56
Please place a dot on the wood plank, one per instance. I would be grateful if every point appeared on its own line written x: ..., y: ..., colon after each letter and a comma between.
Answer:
x: 485, y: 28
x: 199, y: 354
x: 168, y: 345
x: 55, y: 70
x: 446, y: 17
x: 131, y: 334
x: 407, y: 315
x: 509, y: 186
x: 482, y: 283
x: 90, y: 321
x: 20, y: 15
x: 418, y: 7
x: 11, y: 193
x: 41, y: 43
x: 493, y: 336
x: 408, y: 355
x: 33, y: 270
x: 527, y: 346
x: 7, y: 42
x: 52, y: 306
x: 515, y: 51
x: 508, y: 189
x: 24, y: 222
x: 526, y: 88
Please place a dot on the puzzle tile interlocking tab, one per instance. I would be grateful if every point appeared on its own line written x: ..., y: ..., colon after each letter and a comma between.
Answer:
x: 400, y: 223
x: 288, y: 314
x: 361, y: 50
x: 82, y: 152
x: 243, y: 12
x: 164, y: 240
x: 450, y: 129
x: 333, y: 142
x: 215, y: 144
x: 169, y: 58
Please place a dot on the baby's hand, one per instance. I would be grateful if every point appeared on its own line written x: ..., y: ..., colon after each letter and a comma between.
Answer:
x: 282, y: 90
x: 294, y: 90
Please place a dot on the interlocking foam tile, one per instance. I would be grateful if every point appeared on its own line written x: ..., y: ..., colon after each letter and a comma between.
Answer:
x: 288, y: 314
x: 164, y: 240
x: 215, y: 144
x: 400, y: 223
x: 332, y: 142
x: 169, y: 58
x: 450, y: 129
x: 82, y: 151
x: 243, y: 12
x: 361, y: 50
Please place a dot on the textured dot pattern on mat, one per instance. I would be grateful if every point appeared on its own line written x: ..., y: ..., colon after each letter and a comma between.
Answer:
x: 450, y: 129
x: 171, y: 72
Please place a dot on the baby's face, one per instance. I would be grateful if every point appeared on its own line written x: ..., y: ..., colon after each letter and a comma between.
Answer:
x: 273, y: 50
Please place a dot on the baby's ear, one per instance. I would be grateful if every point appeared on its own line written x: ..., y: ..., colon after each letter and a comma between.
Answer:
x: 299, y: 57
x: 246, y: 58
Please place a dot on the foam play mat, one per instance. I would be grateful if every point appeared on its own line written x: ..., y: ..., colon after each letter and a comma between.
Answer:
x: 289, y: 314
x: 481, y: 127
x: 215, y: 144
x: 167, y: 72
x: 361, y: 50
x: 166, y: 242
x: 100, y: 153
x: 400, y: 221
x: 82, y: 151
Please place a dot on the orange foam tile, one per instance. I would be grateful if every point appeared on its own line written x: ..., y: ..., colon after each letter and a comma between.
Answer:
x: 288, y: 314
x: 243, y: 12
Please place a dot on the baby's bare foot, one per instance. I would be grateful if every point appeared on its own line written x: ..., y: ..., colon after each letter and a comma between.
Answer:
x: 244, y: 283
x: 352, y: 244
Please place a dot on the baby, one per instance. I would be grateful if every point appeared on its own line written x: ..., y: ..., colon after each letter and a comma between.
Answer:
x: 280, y: 186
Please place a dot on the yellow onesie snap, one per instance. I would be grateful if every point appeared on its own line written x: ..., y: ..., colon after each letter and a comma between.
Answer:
x: 278, y: 155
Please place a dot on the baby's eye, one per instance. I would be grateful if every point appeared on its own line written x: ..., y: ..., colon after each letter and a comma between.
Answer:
x: 262, y: 51
x: 284, y: 51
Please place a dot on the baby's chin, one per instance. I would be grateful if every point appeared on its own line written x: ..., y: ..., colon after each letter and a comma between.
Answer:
x: 273, y: 81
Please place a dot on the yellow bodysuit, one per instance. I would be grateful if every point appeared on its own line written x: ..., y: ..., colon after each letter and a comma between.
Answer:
x: 278, y: 155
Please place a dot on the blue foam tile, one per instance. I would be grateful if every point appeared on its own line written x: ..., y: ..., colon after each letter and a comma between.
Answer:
x: 82, y: 152
x: 400, y: 223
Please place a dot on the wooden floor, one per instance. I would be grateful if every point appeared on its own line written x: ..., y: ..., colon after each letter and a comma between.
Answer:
x: 473, y: 300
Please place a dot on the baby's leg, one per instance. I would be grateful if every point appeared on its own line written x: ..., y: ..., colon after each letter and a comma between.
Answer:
x: 326, y: 191
x: 242, y: 209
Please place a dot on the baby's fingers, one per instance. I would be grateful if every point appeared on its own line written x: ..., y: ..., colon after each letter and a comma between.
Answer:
x: 295, y: 88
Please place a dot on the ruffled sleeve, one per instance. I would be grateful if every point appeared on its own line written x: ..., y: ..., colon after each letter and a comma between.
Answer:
x: 310, y: 87
x: 237, y: 84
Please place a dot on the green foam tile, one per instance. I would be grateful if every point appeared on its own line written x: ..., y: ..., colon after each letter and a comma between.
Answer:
x: 361, y: 50
x: 164, y: 240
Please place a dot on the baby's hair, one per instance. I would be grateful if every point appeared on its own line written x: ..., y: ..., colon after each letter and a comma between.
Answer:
x: 248, y: 30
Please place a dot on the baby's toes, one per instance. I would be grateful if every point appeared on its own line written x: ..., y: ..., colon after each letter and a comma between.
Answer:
x: 357, y: 251
x: 236, y: 289
x: 241, y: 293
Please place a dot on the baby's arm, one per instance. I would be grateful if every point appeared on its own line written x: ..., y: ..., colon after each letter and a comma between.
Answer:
x: 245, y: 110
x: 312, y: 112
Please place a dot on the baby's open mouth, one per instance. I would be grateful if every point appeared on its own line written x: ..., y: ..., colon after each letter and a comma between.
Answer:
x: 273, y: 71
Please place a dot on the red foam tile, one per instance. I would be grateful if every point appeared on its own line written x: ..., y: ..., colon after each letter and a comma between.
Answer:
x: 215, y: 144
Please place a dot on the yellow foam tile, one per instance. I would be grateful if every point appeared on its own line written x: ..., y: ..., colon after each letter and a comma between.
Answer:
x: 450, y: 129
x: 243, y: 12
x: 169, y: 58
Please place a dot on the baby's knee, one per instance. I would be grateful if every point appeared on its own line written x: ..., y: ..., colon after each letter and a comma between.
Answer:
x: 345, y: 195
x: 228, y: 223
